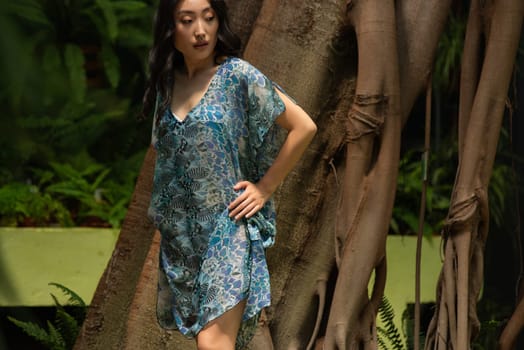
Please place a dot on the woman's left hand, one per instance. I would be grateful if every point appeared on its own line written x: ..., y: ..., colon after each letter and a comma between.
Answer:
x: 248, y: 202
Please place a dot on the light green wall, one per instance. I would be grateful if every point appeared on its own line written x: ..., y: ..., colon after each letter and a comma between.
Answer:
x: 400, y: 285
x: 31, y: 258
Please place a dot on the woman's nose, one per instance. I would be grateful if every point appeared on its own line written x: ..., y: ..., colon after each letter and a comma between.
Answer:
x: 199, y: 30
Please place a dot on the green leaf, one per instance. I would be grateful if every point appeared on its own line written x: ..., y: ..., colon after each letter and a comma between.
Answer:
x: 51, y: 61
x: 429, y: 199
x: 79, y: 312
x: 33, y: 330
x: 110, y: 17
x: 412, y: 220
x: 74, y: 299
x: 394, y: 225
x: 391, y: 332
x: 29, y: 10
x: 97, y: 20
x: 131, y: 36
x: 103, y: 174
x: 111, y: 65
x: 57, y: 341
x: 128, y: 5
x: 74, y: 60
x: 68, y: 327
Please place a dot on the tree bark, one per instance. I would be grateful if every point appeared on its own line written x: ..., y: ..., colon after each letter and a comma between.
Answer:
x: 420, y: 24
x: 142, y: 329
x: 104, y: 326
x: 373, y: 147
x: 301, y: 53
x: 513, y: 328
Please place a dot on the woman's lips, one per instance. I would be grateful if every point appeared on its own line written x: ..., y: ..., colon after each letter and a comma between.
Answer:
x: 200, y: 45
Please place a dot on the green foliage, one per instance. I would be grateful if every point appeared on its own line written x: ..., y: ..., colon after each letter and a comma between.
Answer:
x: 61, y: 334
x: 51, y: 339
x: 504, y: 184
x: 79, y: 77
x: 68, y: 195
x: 20, y: 202
x: 73, y: 298
x: 409, y: 186
x: 73, y: 73
x: 449, y: 52
x: 85, y: 191
x: 388, y: 336
x: 493, y: 315
x: 441, y: 176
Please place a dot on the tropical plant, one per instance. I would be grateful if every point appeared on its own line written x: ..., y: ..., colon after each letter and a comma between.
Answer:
x: 73, y: 74
x: 60, y: 334
x: 441, y: 174
x: 389, y: 337
x: 24, y: 204
x: 405, y: 212
x: 449, y: 52
x: 88, y: 193
x: 73, y: 83
x: 67, y: 195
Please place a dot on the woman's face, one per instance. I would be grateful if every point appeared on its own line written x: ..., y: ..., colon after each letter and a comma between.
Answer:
x: 196, y: 26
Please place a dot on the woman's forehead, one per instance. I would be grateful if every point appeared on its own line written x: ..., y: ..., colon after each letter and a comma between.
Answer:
x: 193, y: 6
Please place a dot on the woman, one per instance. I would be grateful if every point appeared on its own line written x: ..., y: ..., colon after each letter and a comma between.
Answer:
x: 219, y: 160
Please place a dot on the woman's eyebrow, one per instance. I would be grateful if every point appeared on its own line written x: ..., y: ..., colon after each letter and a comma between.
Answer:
x: 189, y: 12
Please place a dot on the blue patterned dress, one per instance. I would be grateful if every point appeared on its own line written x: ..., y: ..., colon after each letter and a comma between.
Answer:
x: 209, y: 262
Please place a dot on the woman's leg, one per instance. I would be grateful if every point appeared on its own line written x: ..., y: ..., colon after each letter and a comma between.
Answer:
x: 221, y: 333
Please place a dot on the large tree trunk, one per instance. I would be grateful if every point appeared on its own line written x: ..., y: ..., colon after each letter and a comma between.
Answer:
x: 301, y: 53
x: 455, y: 322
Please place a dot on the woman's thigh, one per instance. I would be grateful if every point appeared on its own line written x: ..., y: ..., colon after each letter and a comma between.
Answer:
x: 221, y: 333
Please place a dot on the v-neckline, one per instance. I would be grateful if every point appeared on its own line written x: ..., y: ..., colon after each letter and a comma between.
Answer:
x: 211, y: 82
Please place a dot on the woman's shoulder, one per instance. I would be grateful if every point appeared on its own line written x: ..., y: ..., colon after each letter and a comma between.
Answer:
x: 240, y: 67
x: 236, y: 62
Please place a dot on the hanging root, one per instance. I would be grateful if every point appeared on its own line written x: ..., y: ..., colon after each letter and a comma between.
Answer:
x: 361, y: 122
x: 321, y: 293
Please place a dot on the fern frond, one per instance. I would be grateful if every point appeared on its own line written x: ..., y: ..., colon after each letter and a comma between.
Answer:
x: 74, y: 299
x: 57, y: 341
x: 33, y: 330
x: 79, y: 309
x: 51, y: 339
x: 391, y: 332
x: 381, y: 333
x: 68, y: 327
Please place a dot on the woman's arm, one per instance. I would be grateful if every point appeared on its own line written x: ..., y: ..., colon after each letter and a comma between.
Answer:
x: 301, y: 130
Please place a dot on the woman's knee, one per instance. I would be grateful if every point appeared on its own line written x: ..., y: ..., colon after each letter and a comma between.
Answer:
x: 213, y: 339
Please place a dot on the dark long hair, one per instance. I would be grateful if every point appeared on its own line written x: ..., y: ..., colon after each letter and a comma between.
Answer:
x: 164, y: 57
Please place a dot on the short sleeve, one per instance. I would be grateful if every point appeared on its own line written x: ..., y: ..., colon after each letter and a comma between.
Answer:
x: 264, y: 106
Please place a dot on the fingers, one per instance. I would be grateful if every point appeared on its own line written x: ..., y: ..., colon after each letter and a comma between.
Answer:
x: 247, y: 212
x: 248, y: 203
x: 240, y: 185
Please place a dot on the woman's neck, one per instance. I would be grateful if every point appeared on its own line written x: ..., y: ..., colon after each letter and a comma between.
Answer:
x: 192, y: 69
